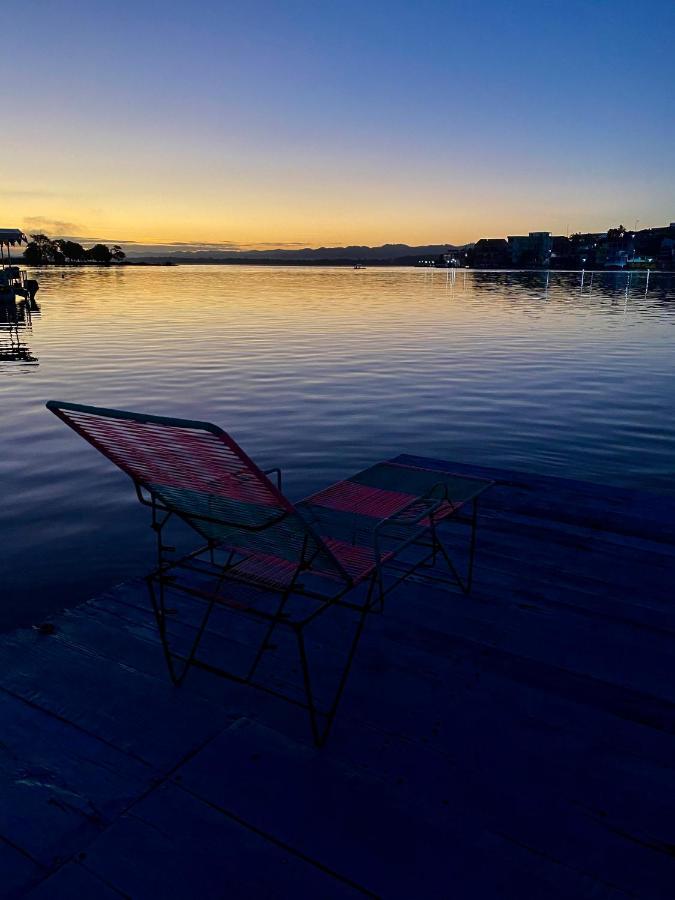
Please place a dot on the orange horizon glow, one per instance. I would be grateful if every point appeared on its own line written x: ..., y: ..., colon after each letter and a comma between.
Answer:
x: 248, y: 229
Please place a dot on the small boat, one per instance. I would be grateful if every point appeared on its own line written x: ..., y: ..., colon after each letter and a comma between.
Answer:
x: 13, y: 280
x: 359, y: 267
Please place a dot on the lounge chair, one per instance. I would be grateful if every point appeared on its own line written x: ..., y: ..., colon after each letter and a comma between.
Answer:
x: 277, y: 563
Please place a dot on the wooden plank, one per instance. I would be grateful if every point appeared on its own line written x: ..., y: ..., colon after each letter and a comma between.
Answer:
x: 613, y: 653
x: 548, y: 594
x: 410, y: 694
x: 576, y: 546
x: 75, y: 880
x: 59, y: 786
x: 516, y: 743
x: 592, y: 564
x: 192, y: 849
x: 376, y: 828
x: 390, y: 646
x: 509, y: 521
x: 564, y: 642
x: 417, y: 689
x: 18, y: 873
x: 419, y: 648
x: 140, y: 715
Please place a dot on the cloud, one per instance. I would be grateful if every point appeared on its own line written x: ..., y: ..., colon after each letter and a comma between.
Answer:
x: 228, y: 244
x: 52, y: 227
x: 279, y: 245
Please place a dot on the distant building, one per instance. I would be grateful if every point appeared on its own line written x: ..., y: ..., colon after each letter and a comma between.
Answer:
x: 666, y: 256
x: 616, y: 248
x: 531, y: 250
x: 455, y: 258
x: 491, y: 253
x: 655, y: 246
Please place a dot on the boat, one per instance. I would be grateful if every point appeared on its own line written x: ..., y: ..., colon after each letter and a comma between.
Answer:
x: 13, y: 281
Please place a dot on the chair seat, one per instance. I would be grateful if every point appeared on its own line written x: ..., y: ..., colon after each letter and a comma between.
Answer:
x: 357, y: 558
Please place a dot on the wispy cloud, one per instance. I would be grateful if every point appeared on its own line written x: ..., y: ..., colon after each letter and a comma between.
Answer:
x: 200, y: 245
x: 279, y: 245
x: 52, y: 227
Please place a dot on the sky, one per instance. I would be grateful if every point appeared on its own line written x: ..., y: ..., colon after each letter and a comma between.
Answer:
x: 323, y: 123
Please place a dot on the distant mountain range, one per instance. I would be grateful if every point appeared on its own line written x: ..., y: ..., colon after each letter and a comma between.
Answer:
x: 387, y: 252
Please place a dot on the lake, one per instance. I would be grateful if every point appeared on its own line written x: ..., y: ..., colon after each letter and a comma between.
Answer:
x: 322, y: 371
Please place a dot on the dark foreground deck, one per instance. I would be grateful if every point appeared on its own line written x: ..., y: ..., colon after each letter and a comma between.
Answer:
x: 519, y: 743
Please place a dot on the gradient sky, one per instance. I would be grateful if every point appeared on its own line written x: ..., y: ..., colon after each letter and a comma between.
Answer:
x: 337, y: 122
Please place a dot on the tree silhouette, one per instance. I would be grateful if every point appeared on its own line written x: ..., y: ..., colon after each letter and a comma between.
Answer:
x: 72, y: 251
x: 43, y: 251
x: 99, y: 253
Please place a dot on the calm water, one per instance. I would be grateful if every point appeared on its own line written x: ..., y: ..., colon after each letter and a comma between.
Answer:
x: 322, y: 371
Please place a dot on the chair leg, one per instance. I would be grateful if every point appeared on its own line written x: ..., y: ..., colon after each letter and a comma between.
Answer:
x: 177, y: 677
x: 160, y: 615
x: 265, y: 643
x: 321, y: 736
x: 159, y: 610
x: 377, y: 581
x: 313, y: 712
x: 465, y: 585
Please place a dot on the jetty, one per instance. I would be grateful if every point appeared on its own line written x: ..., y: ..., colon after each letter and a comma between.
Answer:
x: 515, y: 743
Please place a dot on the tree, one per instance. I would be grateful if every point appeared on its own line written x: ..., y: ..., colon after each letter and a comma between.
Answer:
x: 99, y: 253
x: 117, y: 253
x: 42, y: 251
x: 71, y: 250
x: 616, y: 234
x: 33, y: 254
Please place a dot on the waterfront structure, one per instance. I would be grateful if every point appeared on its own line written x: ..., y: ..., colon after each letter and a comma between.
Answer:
x: 13, y: 281
x: 490, y: 253
x: 531, y: 250
x: 455, y: 258
x: 616, y: 248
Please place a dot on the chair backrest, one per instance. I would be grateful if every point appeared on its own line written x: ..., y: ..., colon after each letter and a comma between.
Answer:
x: 198, y: 471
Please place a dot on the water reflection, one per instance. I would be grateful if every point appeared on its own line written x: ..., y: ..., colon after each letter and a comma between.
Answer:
x: 322, y: 371
x: 16, y: 323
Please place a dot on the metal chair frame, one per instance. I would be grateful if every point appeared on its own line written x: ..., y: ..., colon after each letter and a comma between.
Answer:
x: 418, y: 519
x: 162, y: 580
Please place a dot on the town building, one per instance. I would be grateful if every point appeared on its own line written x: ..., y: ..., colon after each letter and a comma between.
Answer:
x: 491, y: 253
x: 533, y: 249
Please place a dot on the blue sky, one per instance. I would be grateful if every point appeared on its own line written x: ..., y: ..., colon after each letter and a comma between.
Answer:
x: 340, y: 122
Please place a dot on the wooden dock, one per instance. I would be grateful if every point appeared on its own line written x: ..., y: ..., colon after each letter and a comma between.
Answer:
x: 517, y: 743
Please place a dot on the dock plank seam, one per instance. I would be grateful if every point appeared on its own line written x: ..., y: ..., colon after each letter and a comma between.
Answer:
x: 155, y: 784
